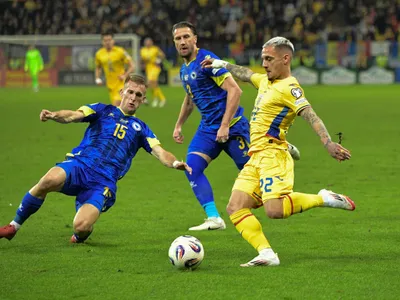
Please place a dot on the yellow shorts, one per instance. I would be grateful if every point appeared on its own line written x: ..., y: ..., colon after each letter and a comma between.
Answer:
x: 152, y: 73
x: 267, y: 175
x: 114, y: 93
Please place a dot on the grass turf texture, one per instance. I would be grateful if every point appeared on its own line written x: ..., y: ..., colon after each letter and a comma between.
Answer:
x: 325, y: 253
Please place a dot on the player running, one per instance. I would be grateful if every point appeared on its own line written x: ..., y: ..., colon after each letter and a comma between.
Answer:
x: 152, y: 57
x: 112, y: 59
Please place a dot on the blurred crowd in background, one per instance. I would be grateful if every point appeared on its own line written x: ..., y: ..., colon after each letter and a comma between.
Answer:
x: 231, y: 25
x: 247, y: 22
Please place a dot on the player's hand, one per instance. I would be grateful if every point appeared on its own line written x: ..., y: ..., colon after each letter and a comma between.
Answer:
x: 181, y: 165
x: 337, y: 151
x: 121, y: 77
x: 213, y: 63
x: 99, y: 81
x: 222, y: 134
x: 177, y: 135
x: 46, y: 115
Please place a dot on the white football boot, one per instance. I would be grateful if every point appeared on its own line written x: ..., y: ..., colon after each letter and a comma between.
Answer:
x: 267, y: 257
x: 294, y: 152
x: 332, y: 199
x: 154, y: 103
x: 213, y: 223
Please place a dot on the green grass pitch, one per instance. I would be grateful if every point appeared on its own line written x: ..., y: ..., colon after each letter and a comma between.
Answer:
x: 325, y: 253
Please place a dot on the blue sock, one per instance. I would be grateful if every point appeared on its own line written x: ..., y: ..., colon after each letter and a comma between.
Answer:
x: 29, y: 205
x: 200, y: 185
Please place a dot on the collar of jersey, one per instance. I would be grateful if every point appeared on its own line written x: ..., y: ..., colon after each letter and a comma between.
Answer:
x: 126, y: 115
x: 112, y: 49
x: 197, y: 50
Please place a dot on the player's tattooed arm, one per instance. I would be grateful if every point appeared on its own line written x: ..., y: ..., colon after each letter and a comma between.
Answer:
x: 335, y: 150
x: 62, y: 116
x: 240, y: 72
x: 316, y: 123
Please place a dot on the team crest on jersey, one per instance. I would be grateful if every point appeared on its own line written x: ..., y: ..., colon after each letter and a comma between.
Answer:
x: 136, y: 126
x: 193, y: 75
x: 297, y: 92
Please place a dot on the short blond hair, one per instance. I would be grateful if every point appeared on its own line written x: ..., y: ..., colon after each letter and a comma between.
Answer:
x: 280, y: 42
x: 136, y: 78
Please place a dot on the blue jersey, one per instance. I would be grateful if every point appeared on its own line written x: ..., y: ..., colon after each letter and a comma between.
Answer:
x: 203, y: 86
x: 112, y: 140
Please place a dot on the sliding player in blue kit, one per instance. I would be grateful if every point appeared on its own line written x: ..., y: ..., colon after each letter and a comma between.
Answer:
x: 91, y: 171
x: 223, y: 126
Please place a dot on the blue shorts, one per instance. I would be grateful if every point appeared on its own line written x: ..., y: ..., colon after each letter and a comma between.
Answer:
x: 236, y: 147
x: 88, y: 186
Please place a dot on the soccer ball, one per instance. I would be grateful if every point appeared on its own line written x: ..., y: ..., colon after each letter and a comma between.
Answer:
x: 186, y: 252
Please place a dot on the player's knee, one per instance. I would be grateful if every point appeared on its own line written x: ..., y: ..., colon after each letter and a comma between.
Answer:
x: 274, y: 209
x: 198, y: 165
x: 232, y: 208
x: 275, y: 214
x: 235, y: 204
x: 82, y: 225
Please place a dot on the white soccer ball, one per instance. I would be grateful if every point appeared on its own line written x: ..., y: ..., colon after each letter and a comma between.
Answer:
x: 186, y: 252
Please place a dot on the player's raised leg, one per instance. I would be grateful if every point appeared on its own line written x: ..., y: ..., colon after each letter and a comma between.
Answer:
x: 51, y: 182
x: 203, y: 191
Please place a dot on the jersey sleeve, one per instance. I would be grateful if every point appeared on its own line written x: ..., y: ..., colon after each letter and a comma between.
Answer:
x: 256, y: 79
x: 149, y: 139
x: 92, y: 111
x: 218, y: 75
x: 125, y: 57
x: 293, y: 97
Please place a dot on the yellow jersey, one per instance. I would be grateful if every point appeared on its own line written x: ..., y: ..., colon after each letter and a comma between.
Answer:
x: 113, y: 63
x: 150, y: 55
x: 275, y: 109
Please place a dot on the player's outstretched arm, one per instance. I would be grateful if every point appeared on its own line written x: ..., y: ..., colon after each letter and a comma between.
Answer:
x: 186, y: 110
x: 239, y: 72
x: 62, y: 116
x: 335, y: 150
x: 169, y: 160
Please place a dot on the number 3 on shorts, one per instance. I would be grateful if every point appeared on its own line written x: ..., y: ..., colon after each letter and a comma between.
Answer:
x: 265, y: 184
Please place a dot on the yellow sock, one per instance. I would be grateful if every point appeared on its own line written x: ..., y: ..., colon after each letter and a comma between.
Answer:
x: 298, y: 202
x: 160, y: 94
x: 250, y: 228
x: 154, y: 93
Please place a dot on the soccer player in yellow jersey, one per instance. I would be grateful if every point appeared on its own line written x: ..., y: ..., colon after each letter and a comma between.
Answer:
x: 152, y: 57
x: 112, y: 59
x: 267, y: 179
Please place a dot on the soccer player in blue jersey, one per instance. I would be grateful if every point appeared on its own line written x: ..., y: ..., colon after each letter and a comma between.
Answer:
x: 223, y: 126
x: 91, y: 171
